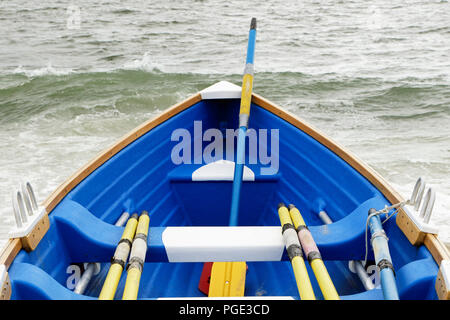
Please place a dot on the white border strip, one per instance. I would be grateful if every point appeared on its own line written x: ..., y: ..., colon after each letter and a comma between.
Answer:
x: 209, y: 244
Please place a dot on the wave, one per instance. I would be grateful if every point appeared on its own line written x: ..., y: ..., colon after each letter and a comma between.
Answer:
x: 144, y: 64
x: 48, y: 70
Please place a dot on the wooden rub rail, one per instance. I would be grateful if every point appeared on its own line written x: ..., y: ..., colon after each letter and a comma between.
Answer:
x: 443, y: 281
x: 5, y: 284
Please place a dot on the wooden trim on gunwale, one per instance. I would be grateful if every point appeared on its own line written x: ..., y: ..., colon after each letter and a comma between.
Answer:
x: 10, y: 251
x: 433, y: 243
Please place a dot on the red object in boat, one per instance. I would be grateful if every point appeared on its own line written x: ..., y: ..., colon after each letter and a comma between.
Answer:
x: 203, y: 284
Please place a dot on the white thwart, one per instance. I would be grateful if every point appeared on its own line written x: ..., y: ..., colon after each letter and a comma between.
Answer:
x: 209, y: 244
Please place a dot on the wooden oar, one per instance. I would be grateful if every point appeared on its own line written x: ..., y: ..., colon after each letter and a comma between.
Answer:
x: 228, y: 278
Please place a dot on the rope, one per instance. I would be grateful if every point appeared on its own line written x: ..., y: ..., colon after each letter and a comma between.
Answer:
x: 386, y: 211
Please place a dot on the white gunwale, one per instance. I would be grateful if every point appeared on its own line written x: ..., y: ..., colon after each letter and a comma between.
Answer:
x: 432, y: 242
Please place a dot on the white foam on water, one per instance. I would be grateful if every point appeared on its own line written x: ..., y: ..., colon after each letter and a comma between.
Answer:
x: 47, y: 70
x: 145, y: 64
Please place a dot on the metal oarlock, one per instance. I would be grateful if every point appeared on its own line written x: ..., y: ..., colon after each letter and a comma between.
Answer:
x: 18, y: 209
x: 31, y: 198
x: 417, y: 194
x: 427, y: 207
x: 24, y: 204
x: 428, y: 201
x: 414, y: 219
x: 31, y: 220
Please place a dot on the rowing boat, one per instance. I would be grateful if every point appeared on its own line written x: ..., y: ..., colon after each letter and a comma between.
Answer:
x: 179, y: 168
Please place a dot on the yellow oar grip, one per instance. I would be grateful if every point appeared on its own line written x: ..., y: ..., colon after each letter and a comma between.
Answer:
x: 142, y: 227
x: 323, y: 278
x: 246, y: 95
x: 130, y: 229
x: 296, y: 217
x: 283, y: 213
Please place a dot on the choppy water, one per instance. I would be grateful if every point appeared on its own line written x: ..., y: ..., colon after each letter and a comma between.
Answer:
x: 375, y: 76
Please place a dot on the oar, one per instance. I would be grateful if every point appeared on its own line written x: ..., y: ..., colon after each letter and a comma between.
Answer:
x: 244, y: 114
x: 294, y: 250
x: 382, y: 256
x: 228, y: 278
x: 313, y: 255
x: 90, y: 268
x: 137, y: 258
x: 119, y: 260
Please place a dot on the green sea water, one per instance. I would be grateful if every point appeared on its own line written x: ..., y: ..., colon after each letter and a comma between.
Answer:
x: 76, y: 76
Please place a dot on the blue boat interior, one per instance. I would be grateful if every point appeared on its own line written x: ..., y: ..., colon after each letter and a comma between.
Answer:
x: 142, y: 176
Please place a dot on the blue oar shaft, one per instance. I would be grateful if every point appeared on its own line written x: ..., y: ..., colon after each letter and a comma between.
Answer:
x: 383, y: 258
x: 244, y: 114
x: 251, y: 44
x: 237, y: 181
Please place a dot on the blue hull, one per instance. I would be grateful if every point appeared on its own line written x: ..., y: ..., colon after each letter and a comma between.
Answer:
x: 142, y: 176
